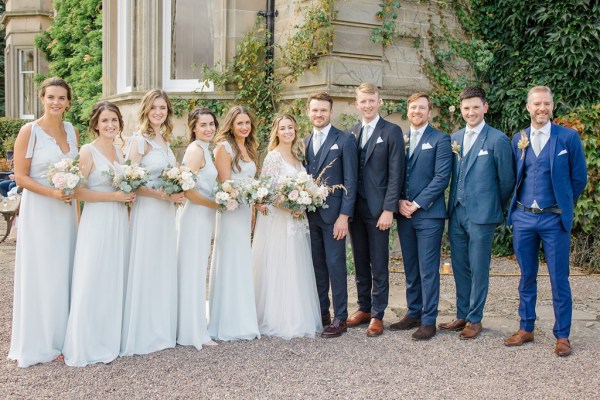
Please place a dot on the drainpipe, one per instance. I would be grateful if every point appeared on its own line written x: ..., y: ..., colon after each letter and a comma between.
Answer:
x: 269, y: 14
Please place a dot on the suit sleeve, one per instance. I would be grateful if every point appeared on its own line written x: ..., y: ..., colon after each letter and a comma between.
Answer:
x: 396, y: 166
x: 442, y: 167
x: 578, y: 167
x: 505, y: 167
x: 350, y: 165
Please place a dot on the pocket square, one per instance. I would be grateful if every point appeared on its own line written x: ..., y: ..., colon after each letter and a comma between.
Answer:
x: 334, y: 147
x: 426, y: 146
x: 562, y: 152
x: 379, y: 140
x: 482, y: 153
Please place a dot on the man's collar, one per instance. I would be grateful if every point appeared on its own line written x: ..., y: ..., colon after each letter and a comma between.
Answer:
x: 477, y: 129
x: 421, y: 129
x: 325, y: 130
x: 544, y: 129
x: 373, y: 123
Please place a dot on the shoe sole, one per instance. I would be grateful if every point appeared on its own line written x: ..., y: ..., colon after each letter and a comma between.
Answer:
x: 421, y: 339
x: 452, y: 329
x: 374, y: 334
x: 462, y: 337
x: 404, y: 329
x: 333, y: 336
x: 517, y: 344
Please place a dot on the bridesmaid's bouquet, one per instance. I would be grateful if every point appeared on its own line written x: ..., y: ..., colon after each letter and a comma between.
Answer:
x: 258, y: 192
x: 127, y: 177
x: 302, y: 193
x: 65, y: 175
x: 228, y: 195
x: 177, y: 179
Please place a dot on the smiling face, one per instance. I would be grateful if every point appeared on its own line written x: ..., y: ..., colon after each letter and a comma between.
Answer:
x: 319, y: 113
x: 158, y: 112
x: 473, y: 110
x: 540, y: 106
x: 286, y: 133
x: 368, y: 105
x: 205, y: 127
x: 241, y: 126
x: 418, y: 112
x: 108, y: 124
x: 55, y: 100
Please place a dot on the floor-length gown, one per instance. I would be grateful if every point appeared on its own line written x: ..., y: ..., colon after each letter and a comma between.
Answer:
x: 196, y: 226
x: 101, y: 256
x: 287, y: 302
x: 232, y: 311
x: 150, y: 313
x: 44, y: 259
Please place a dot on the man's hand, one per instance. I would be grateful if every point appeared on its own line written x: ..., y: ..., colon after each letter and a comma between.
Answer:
x: 407, y: 208
x: 385, y: 220
x: 340, y: 228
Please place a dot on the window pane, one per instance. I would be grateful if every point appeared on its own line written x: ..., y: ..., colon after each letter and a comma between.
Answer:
x: 27, y: 61
x: 192, y: 37
x: 28, y: 94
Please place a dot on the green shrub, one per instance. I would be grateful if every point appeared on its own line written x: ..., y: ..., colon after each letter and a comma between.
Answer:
x: 9, y: 129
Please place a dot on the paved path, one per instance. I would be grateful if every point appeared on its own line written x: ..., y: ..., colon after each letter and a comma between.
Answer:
x: 352, y: 366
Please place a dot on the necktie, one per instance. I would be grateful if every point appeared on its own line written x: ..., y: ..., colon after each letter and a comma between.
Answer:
x: 414, y: 139
x: 536, y: 142
x: 468, y: 142
x: 318, y: 141
x: 365, y: 135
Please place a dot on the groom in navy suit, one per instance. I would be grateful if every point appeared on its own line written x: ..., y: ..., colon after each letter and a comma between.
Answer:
x: 380, y: 175
x: 331, y: 154
x: 551, y: 175
x: 483, y: 178
x: 422, y: 217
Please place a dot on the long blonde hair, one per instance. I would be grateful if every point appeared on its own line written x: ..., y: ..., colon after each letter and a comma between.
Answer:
x: 225, y: 133
x: 274, y: 140
x: 145, y: 108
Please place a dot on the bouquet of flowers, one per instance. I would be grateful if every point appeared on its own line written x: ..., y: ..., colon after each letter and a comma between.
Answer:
x: 228, y: 195
x: 302, y: 193
x: 65, y: 175
x: 127, y: 177
x: 177, y: 179
x: 258, y: 191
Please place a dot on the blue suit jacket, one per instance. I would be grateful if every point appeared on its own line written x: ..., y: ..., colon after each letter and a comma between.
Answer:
x: 567, y: 168
x: 383, y: 172
x: 427, y: 174
x: 339, y: 152
x: 489, y: 176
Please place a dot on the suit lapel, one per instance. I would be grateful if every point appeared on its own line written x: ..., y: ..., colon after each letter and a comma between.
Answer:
x: 424, y: 138
x: 326, y: 146
x: 476, y: 148
x: 521, y: 160
x: 552, y: 148
x: 374, y: 136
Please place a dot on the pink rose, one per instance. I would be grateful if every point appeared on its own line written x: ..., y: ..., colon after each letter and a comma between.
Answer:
x: 231, y: 204
x: 293, y: 196
x: 59, y: 181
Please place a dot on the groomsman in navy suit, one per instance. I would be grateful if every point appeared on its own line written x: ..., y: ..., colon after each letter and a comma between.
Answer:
x: 422, y: 216
x: 551, y: 175
x: 483, y: 178
x: 380, y: 147
x: 331, y: 154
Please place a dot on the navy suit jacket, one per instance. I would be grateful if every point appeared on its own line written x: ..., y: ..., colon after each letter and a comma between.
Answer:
x: 489, y: 176
x: 339, y: 152
x: 383, y: 172
x: 427, y: 174
x: 567, y: 166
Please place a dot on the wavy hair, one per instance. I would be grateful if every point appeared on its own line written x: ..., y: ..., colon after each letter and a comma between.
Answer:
x: 274, y: 140
x: 225, y: 133
x: 193, y: 118
x: 145, y: 108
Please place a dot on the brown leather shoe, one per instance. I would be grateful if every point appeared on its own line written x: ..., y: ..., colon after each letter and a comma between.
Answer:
x: 563, y: 347
x: 425, y: 332
x: 375, y: 327
x: 405, y: 324
x: 326, y: 318
x: 471, y: 331
x: 358, y: 318
x: 335, y: 329
x: 455, y: 325
x: 519, y: 338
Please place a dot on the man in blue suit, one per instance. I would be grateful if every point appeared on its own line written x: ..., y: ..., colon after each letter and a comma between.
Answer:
x: 422, y: 215
x: 380, y: 174
x: 483, y: 178
x: 331, y: 154
x: 551, y: 175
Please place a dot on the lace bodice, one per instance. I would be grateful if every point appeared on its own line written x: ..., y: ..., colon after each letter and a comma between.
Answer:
x: 97, y: 179
x: 207, y: 175
x: 275, y: 166
x: 247, y: 168
x: 155, y: 160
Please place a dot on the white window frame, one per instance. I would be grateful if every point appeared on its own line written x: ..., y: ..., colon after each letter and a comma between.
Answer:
x: 176, y: 85
x: 124, y: 46
x: 20, y: 52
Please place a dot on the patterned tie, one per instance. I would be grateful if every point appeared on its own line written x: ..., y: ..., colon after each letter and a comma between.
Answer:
x: 468, y: 142
x: 414, y: 139
x: 366, y: 135
x: 318, y: 141
x: 536, y: 142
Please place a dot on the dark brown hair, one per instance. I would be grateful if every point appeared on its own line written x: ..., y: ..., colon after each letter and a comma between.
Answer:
x: 472, y: 91
x: 95, y: 116
x: 322, y: 96
x: 54, y: 81
x: 225, y: 133
x: 193, y: 117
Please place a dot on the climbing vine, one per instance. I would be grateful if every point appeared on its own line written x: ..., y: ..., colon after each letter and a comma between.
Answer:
x: 387, y: 15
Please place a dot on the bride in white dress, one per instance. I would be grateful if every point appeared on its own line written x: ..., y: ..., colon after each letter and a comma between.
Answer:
x: 196, y: 225
x: 150, y: 313
x: 46, y: 235
x: 287, y: 302
x: 94, y: 328
x: 232, y: 311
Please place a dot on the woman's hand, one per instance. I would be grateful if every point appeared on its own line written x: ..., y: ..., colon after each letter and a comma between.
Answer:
x: 177, y: 198
x: 124, y: 197
x: 58, y: 194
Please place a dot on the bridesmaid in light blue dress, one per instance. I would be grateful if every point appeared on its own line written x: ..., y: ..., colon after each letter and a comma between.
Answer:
x: 196, y: 225
x: 150, y: 314
x: 46, y: 235
x: 101, y: 255
x: 232, y: 309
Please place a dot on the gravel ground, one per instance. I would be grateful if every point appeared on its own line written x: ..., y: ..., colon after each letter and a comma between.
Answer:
x: 352, y: 366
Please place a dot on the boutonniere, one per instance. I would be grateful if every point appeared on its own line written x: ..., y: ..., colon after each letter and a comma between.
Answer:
x: 523, y: 143
x: 456, y: 149
x: 406, y: 143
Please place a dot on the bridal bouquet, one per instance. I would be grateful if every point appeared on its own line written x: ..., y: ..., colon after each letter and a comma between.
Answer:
x: 65, y: 175
x: 177, y: 179
x: 302, y: 193
x: 127, y: 177
x: 228, y: 195
x: 258, y: 192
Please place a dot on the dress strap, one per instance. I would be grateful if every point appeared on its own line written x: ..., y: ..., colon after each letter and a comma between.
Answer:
x: 32, y: 139
x: 71, y: 136
x: 227, y: 147
x: 141, y: 144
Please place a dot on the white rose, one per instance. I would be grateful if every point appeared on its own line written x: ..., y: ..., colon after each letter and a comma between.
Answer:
x: 262, y: 192
x: 72, y: 180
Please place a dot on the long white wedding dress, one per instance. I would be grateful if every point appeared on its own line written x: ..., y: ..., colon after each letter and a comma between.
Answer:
x: 232, y: 313
x: 287, y: 302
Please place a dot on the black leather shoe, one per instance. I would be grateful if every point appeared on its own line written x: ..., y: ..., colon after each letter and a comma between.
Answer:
x: 425, y: 332
x: 335, y: 329
x: 405, y: 323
